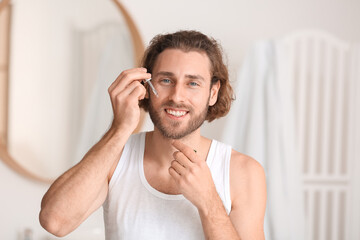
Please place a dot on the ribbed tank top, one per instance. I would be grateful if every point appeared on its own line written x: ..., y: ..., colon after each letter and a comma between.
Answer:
x: 134, y: 210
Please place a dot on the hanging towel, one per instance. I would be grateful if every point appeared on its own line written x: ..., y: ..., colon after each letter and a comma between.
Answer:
x: 261, y: 125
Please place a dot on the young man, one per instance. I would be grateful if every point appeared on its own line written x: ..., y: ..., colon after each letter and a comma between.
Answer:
x: 171, y: 183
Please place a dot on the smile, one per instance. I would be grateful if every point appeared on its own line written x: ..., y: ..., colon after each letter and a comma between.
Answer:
x: 176, y: 113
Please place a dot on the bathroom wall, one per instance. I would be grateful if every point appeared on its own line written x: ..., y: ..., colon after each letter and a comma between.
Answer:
x: 235, y: 23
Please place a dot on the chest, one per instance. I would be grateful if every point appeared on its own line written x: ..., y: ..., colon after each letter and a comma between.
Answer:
x: 137, y: 210
x: 159, y: 178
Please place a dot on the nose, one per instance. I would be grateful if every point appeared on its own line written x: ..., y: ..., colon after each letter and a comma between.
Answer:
x: 177, y: 94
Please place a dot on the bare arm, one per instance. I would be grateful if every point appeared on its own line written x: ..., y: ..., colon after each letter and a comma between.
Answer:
x: 248, y: 194
x: 215, y: 221
x: 83, y: 189
x: 248, y: 191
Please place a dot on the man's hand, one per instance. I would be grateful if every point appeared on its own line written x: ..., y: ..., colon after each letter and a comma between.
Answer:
x: 125, y: 93
x: 192, y: 176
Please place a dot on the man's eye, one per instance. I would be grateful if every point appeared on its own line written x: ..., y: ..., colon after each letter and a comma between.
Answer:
x: 165, y: 80
x: 193, y: 84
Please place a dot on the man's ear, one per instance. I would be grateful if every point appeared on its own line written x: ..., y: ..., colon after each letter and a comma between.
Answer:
x: 214, y: 93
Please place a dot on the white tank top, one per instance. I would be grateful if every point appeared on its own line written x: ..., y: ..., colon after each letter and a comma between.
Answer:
x: 134, y: 210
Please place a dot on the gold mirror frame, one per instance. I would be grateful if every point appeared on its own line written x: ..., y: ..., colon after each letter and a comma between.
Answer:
x: 5, y: 41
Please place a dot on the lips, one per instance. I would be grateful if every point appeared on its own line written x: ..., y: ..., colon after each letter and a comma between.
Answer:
x: 176, y: 113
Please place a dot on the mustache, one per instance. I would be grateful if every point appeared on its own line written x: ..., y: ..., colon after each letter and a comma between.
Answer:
x: 172, y: 104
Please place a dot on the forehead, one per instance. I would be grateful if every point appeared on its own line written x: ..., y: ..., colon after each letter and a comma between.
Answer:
x: 182, y: 63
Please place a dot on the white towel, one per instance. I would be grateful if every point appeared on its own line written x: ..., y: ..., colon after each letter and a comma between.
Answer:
x: 261, y: 124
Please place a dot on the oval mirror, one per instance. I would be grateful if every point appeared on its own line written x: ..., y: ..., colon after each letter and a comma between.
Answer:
x: 58, y: 59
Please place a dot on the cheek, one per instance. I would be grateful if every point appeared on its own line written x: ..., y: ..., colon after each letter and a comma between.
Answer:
x: 157, y: 102
x: 199, y: 101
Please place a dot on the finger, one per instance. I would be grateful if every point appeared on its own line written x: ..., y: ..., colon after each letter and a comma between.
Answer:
x: 134, y: 87
x: 127, y: 81
x: 121, y: 75
x: 178, y: 167
x: 128, y: 92
x: 125, y: 72
x: 186, y: 150
x: 174, y: 174
x: 182, y: 159
x: 139, y: 92
x: 127, y: 76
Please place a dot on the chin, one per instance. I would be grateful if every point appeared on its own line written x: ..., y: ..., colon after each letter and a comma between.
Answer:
x: 171, y: 134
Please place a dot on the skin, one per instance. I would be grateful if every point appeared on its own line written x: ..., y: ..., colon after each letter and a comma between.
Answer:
x: 170, y: 166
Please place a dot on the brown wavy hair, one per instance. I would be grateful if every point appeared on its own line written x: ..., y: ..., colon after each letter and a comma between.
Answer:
x: 194, y: 41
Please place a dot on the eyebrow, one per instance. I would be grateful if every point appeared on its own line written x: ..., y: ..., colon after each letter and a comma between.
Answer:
x: 165, y: 74
x: 170, y: 74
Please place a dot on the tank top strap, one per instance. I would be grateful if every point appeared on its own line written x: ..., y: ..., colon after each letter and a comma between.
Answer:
x: 218, y: 160
x: 132, y: 149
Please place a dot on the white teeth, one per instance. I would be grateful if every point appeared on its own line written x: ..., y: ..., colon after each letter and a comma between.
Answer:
x: 176, y: 113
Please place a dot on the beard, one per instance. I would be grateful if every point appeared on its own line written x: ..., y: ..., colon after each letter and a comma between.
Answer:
x: 172, y: 131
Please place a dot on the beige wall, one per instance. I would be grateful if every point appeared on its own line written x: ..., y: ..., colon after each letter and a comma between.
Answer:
x: 236, y: 23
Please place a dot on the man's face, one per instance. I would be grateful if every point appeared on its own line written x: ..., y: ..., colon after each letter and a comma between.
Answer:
x: 182, y: 80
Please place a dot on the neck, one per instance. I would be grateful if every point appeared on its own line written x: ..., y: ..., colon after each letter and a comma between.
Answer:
x: 158, y: 148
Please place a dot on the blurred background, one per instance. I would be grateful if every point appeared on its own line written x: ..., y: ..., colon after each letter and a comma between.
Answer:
x: 294, y: 66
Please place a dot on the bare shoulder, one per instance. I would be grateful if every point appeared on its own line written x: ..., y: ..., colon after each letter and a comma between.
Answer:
x: 247, y: 176
x: 245, y: 166
x: 248, y: 196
